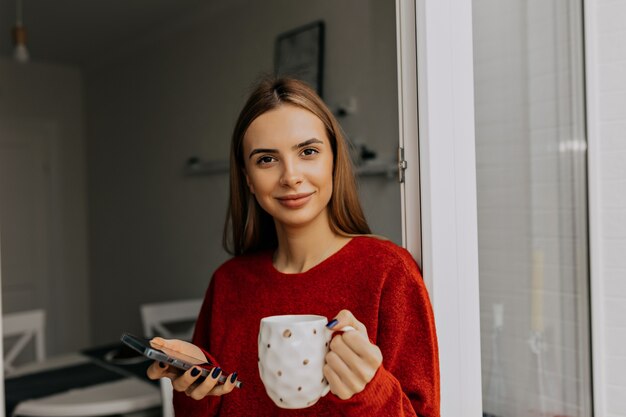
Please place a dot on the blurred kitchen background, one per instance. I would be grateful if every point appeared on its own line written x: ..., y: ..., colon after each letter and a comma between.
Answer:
x: 99, y: 214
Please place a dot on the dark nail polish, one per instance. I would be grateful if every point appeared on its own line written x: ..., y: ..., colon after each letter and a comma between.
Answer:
x: 161, y: 364
x: 233, y: 378
x: 332, y: 323
x: 216, y: 372
x: 195, y: 372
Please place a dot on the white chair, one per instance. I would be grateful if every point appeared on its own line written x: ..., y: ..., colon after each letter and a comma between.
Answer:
x: 27, y: 326
x: 127, y: 397
x: 155, y: 318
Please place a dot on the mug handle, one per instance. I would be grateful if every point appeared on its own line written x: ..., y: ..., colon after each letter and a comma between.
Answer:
x: 343, y: 329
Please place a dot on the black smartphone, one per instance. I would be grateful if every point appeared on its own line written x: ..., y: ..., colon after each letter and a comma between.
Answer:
x: 176, y: 359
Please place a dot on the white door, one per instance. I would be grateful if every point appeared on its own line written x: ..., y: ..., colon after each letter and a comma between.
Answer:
x: 25, y: 185
x: 408, y: 154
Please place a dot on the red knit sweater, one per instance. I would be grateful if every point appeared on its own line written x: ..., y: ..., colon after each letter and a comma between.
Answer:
x: 376, y: 280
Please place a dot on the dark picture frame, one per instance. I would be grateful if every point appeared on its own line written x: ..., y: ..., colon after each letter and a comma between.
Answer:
x: 299, y: 53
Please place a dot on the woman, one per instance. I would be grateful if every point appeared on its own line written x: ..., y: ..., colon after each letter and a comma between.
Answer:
x: 302, y: 246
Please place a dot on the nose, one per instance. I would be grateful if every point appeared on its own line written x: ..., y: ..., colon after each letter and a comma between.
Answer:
x: 291, y: 175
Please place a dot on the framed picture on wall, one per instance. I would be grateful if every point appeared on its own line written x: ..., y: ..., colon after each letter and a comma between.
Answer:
x: 299, y: 53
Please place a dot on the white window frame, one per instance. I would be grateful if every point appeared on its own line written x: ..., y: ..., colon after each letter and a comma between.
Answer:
x: 406, y: 50
x: 594, y: 181
x: 439, y: 199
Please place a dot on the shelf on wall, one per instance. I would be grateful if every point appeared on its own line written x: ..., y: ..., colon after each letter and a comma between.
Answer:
x: 374, y: 168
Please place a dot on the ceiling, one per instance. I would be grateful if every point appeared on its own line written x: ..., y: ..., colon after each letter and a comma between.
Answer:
x: 76, y: 31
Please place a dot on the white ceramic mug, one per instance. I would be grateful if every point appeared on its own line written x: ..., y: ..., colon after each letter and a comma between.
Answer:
x: 292, y: 349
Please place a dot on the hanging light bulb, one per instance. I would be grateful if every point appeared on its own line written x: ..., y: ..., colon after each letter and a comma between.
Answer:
x: 20, y: 53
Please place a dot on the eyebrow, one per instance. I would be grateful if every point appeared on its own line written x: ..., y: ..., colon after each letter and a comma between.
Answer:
x: 294, y: 147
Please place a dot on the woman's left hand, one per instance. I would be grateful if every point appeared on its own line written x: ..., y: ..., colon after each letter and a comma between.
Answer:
x: 352, y: 360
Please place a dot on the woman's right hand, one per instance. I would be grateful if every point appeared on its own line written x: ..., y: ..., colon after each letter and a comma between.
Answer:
x: 185, y: 382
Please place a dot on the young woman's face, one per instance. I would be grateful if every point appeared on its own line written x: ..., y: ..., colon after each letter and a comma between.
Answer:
x: 289, y: 165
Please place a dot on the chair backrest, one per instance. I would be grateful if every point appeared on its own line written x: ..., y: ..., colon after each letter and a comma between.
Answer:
x: 155, y: 318
x: 26, y: 326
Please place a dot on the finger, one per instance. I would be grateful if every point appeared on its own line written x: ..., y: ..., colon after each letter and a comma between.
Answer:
x: 160, y: 370
x: 363, y: 348
x: 158, y: 342
x: 335, y: 383
x: 174, y: 344
x: 179, y: 346
x: 362, y: 369
x: 346, y: 318
x: 348, y: 378
x: 184, y: 381
x: 156, y: 370
x: 205, y: 388
x: 227, y: 386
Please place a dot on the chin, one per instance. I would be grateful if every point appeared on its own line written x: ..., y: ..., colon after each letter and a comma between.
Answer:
x: 296, y: 219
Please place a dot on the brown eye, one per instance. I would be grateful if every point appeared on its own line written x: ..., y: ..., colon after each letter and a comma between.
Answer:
x: 264, y: 160
x: 310, y: 152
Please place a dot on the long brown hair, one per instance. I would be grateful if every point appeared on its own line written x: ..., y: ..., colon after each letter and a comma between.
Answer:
x: 248, y: 227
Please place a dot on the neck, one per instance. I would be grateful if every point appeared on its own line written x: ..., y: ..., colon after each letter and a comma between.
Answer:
x: 300, y: 249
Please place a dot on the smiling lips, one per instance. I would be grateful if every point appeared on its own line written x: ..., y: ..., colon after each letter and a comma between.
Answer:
x: 295, y: 200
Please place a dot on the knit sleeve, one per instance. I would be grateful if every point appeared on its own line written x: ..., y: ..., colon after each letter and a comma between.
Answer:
x: 407, y: 383
x: 185, y: 406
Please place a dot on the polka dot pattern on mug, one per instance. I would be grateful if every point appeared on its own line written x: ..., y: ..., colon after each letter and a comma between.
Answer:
x: 291, y: 359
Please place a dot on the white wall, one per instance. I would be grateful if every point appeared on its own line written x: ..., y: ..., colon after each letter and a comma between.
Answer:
x: 52, y: 95
x: 155, y: 234
x: 606, y: 78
